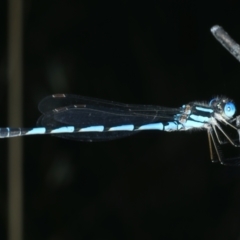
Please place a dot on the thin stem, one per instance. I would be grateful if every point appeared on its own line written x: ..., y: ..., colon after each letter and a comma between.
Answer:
x: 227, y: 42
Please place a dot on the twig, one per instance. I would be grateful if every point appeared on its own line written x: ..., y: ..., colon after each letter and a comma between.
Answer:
x: 223, y: 37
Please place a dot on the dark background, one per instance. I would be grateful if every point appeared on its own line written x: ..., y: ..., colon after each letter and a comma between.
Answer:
x: 153, y: 185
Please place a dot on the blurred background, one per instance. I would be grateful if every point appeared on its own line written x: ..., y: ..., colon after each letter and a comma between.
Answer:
x: 153, y: 185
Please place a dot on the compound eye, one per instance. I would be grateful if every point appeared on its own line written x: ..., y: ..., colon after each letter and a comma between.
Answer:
x: 229, y: 109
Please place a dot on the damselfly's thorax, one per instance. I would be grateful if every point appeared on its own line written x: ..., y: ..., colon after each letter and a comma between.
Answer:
x: 195, y: 112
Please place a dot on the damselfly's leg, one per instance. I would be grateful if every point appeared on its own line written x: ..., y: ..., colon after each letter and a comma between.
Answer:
x: 223, y: 132
x: 217, y: 135
x: 211, y: 147
x: 234, y: 120
x: 229, y: 123
x: 237, y: 121
x: 212, y: 142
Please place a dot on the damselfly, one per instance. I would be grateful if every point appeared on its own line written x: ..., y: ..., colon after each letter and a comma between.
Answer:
x: 87, y: 119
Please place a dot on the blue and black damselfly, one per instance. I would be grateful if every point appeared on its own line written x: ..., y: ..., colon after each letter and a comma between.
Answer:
x: 87, y: 119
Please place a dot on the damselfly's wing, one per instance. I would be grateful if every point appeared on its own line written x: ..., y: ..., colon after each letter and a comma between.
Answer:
x: 81, y: 112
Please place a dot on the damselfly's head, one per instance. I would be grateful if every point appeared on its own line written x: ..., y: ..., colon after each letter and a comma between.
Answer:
x: 223, y: 106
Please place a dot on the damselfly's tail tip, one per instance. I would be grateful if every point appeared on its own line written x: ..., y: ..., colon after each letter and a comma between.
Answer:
x: 215, y: 28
